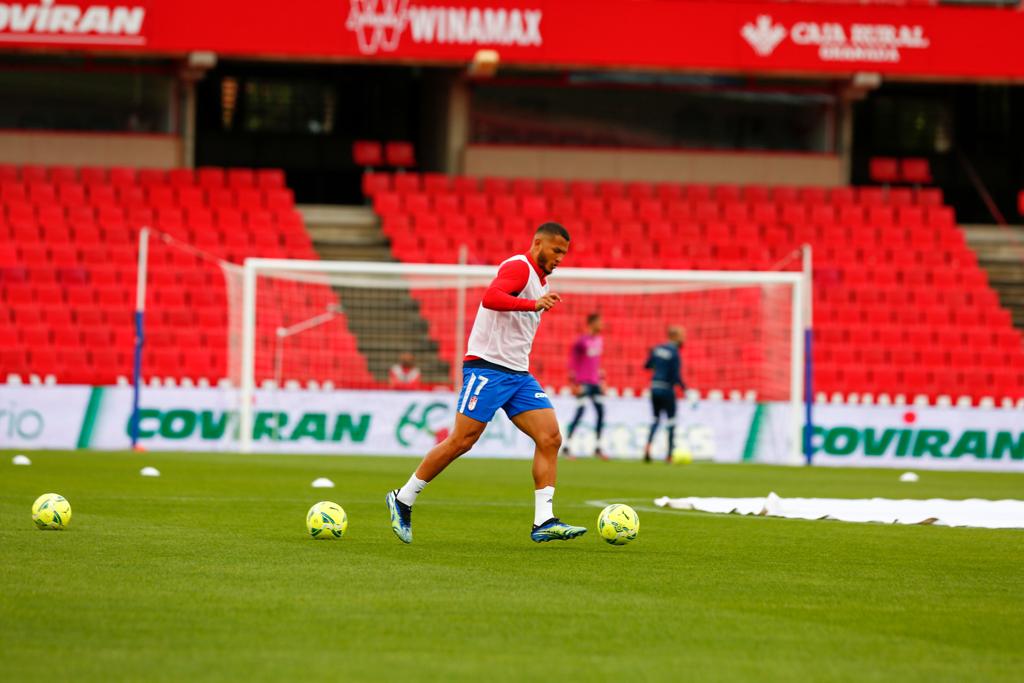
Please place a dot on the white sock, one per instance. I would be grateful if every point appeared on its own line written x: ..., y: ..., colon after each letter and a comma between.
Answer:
x: 407, y: 494
x: 543, y: 504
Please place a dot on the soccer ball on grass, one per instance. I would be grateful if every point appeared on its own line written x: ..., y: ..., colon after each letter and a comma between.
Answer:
x: 326, y: 520
x: 51, y: 511
x: 618, y: 524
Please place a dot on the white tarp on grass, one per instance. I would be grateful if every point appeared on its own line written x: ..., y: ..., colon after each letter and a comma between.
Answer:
x: 973, y: 512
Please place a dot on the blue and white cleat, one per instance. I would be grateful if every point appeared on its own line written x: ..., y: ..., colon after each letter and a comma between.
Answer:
x: 555, y: 530
x: 401, y: 517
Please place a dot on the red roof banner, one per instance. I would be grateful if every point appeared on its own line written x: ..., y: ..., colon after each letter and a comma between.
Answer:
x: 688, y: 35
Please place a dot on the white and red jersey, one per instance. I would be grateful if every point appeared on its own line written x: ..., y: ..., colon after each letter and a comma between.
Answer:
x: 400, y: 376
x: 507, y: 319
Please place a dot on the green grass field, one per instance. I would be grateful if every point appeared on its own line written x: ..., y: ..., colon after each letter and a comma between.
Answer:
x: 207, y: 574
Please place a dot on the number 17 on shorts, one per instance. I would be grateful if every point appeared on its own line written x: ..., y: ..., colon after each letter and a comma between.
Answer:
x: 485, y: 390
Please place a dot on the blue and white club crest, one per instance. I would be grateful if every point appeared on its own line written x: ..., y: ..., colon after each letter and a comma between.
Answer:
x: 472, y: 402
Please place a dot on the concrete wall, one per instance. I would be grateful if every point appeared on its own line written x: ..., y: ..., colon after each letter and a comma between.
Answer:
x: 767, y: 168
x: 90, y: 149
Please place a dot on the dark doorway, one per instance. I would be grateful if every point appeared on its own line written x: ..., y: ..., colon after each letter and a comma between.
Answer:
x: 304, y: 119
x: 960, y: 129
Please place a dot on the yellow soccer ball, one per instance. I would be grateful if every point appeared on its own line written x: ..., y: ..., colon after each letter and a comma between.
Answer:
x: 618, y: 524
x: 51, y: 511
x: 326, y: 520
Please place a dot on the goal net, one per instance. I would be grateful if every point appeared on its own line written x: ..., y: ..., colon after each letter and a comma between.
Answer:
x: 345, y: 325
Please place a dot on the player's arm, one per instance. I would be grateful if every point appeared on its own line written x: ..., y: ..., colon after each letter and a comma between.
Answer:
x: 649, y: 365
x: 503, y: 292
x: 678, y: 372
x: 575, y: 355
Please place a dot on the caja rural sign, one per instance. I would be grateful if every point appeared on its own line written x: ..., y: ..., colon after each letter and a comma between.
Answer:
x: 837, y: 41
x: 818, y: 39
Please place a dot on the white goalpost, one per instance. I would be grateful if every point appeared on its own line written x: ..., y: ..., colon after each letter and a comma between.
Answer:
x: 346, y: 322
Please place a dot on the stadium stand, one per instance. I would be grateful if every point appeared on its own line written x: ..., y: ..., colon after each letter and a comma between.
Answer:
x: 901, y: 305
x: 68, y: 267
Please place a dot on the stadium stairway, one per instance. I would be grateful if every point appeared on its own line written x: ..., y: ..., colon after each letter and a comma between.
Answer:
x: 347, y: 233
x: 1000, y: 252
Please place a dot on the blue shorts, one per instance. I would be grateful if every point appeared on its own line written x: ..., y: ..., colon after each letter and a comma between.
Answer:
x: 485, y: 390
x: 663, y: 401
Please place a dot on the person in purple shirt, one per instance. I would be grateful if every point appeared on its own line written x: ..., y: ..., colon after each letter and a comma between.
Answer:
x: 585, y: 375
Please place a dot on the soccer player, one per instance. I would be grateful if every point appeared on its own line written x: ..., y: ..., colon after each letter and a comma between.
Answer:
x: 585, y: 374
x: 667, y: 374
x: 496, y: 375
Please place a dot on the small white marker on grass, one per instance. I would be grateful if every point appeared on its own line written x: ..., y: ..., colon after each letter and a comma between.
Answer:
x: 909, y: 477
x: 20, y: 459
x: 323, y: 483
x: 149, y: 472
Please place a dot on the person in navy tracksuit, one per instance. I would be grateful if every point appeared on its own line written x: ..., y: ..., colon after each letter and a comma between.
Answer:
x: 667, y: 373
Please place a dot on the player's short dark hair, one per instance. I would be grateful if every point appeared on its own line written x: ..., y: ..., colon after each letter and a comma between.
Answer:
x: 553, y: 229
x: 591, y: 317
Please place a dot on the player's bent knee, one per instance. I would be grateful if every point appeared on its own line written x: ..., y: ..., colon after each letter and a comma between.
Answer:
x: 464, y: 442
x: 549, y: 441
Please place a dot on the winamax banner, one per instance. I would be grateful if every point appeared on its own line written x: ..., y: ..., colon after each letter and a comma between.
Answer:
x: 678, y: 34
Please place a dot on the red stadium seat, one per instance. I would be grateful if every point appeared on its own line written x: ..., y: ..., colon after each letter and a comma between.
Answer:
x: 33, y: 173
x: 400, y: 154
x: 611, y: 189
x: 436, y: 183
x: 871, y: 196
x: 582, y: 189
x: 71, y: 194
x: 524, y: 187
x: 405, y: 183
x: 374, y: 183
x: 916, y: 171
x: 238, y: 178
x: 120, y: 176
x: 669, y: 191
x: 270, y: 179
x: 210, y: 177
x: 40, y: 193
x: 147, y: 177
x: 536, y: 208
x: 367, y: 153
x: 884, y: 170
x: 181, y: 177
